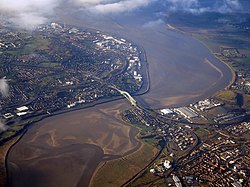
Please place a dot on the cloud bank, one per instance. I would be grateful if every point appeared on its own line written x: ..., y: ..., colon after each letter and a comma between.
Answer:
x: 28, y: 13
x: 31, y: 13
x: 199, y: 6
x: 112, y: 6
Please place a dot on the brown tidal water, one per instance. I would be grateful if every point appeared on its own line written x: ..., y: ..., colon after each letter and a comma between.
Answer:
x: 179, y: 74
x: 65, y: 150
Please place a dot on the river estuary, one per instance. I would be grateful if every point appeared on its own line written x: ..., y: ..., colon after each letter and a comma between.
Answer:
x: 65, y: 150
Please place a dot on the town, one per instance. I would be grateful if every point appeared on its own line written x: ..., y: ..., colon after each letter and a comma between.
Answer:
x: 60, y: 68
x: 195, y: 148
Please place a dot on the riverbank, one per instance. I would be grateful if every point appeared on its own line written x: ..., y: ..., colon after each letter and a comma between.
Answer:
x: 233, y: 73
x: 176, y: 77
x: 120, y: 170
x: 71, y: 138
x: 4, y: 151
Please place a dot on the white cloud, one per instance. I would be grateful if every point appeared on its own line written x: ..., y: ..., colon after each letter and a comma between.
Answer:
x: 28, y: 13
x: 4, y: 87
x: 31, y: 13
x: 28, y: 20
x: 152, y: 24
x: 112, y: 6
x: 182, y: 4
x: 233, y: 3
x: 227, y: 6
x: 197, y: 6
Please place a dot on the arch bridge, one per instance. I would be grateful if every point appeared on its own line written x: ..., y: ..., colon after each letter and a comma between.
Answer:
x: 126, y: 95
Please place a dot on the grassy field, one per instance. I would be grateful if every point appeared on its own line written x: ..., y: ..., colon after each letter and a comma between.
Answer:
x: 148, y: 179
x: 116, y: 172
x: 50, y: 64
x: 245, y: 62
x: 202, y: 132
x: 10, y: 132
x: 215, y: 41
x: 246, y: 101
x: 151, y: 141
x: 227, y: 96
x: 37, y: 43
x: 145, y: 130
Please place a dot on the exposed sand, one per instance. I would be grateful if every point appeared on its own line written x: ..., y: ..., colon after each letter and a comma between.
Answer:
x: 65, y: 150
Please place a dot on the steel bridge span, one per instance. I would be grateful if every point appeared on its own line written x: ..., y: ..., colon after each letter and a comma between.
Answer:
x: 127, y: 96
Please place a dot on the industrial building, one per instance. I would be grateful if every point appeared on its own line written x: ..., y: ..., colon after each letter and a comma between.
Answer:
x: 186, y: 112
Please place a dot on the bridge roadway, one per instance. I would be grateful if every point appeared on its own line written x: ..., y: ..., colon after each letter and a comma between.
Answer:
x: 126, y: 95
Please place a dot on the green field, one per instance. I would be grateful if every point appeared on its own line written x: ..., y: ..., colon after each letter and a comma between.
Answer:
x: 50, y: 64
x: 201, y: 132
x: 38, y: 43
x: 116, y: 172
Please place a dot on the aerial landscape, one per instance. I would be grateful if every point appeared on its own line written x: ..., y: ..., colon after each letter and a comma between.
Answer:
x: 108, y: 93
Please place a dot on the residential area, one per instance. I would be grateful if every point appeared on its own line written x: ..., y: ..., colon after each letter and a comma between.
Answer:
x: 195, y: 148
x: 58, y: 68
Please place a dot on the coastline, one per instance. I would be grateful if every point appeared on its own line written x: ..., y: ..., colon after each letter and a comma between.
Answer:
x: 107, y: 101
x: 213, y: 53
x: 18, y: 138
x: 232, y: 71
x: 5, y: 149
x: 209, y: 62
x: 132, y: 142
x: 129, y: 153
x: 145, y: 88
x: 223, y: 62
x: 106, y: 167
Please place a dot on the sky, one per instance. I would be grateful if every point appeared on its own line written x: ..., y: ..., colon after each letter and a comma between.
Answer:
x: 31, y: 13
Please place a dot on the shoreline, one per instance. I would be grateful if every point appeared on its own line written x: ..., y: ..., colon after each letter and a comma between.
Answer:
x: 7, y: 154
x: 232, y: 71
x: 129, y: 153
x: 209, y: 63
x: 107, y: 100
x: 133, y: 138
x: 220, y: 60
x: 6, y: 148
x: 145, y: 88
x: 175, y: 29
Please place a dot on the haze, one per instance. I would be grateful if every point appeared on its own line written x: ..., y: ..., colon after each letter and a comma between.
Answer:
x: 29, y: 14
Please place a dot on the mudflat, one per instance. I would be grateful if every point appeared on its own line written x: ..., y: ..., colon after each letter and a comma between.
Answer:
x: 65, y: 150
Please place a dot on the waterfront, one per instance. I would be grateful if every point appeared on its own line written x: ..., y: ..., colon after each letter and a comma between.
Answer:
x: 179, y: 75
x: 178, y: 70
